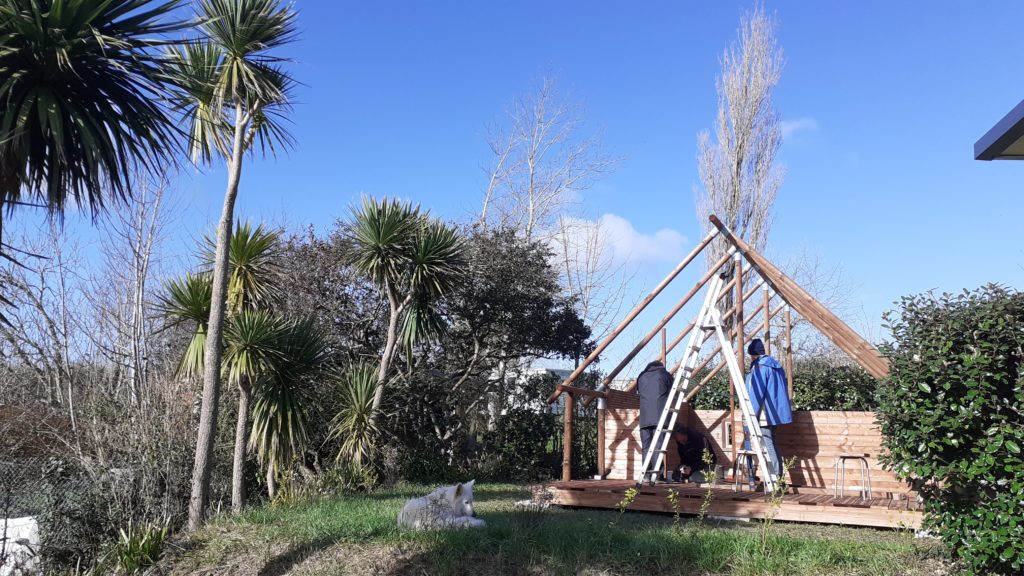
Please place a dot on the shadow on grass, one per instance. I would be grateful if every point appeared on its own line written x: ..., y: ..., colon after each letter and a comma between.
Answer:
x: 566, y: 542
x: 523, y: 543
x: 283, y: 563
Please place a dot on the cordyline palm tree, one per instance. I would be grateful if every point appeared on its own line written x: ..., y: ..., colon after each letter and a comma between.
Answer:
x: 252, y: 336
x: 413, y: 259
x: 354, y: 424
x: 251, y: 341
x: 233, y: 92
x: 81, y: 89
x: 279, y: 419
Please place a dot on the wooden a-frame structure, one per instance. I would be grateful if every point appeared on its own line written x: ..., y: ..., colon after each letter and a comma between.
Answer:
x: 832, y: 434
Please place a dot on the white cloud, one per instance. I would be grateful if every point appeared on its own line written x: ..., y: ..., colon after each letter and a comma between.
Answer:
x: 627, y: 244
x: 791, y: 127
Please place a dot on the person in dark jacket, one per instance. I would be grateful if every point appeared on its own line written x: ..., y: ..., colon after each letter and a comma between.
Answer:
x: 691, y: 446
x: 653, y: 386
x: 769, y: 395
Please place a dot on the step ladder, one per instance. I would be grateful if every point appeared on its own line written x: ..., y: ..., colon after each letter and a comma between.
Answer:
x: 709, y: 320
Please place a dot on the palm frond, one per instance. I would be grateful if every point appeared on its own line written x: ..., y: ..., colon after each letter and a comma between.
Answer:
x: 249, y: 75
x: 195, y: 69
x: 253, y: 346
x: 304, y: 348
x: 437, y: 258
x: 382, y: 234
x: 188, y: 300
x: 279, y: 416
x: 355, y: 424
x: 422, y: 322
x: 253, y: 269
x: 82, y: 89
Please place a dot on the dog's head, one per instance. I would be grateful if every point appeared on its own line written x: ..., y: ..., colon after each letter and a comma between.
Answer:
x: 461, y: 496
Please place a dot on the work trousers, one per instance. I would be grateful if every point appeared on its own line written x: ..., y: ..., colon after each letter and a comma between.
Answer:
x: 770, y: 447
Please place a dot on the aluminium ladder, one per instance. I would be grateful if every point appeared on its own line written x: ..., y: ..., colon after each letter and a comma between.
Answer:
x: 709, y: 320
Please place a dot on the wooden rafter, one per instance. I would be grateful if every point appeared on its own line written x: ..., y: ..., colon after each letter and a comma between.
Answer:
x: 815, y: 312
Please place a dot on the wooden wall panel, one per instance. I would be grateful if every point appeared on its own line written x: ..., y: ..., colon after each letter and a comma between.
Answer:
x: 815, y: 439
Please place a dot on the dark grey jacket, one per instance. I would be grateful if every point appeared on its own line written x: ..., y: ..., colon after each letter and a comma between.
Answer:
x: 653, y: 385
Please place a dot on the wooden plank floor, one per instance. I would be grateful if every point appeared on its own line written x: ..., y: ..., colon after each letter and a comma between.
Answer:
x: 821, y: 508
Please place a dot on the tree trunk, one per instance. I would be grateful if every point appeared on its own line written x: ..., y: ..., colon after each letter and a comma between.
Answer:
x: 215, y: 334
x: 241, y: 431
x: 271, y: 481
x: 389, y: 351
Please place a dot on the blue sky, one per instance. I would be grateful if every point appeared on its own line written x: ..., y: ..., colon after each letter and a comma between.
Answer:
x: 884, y: 101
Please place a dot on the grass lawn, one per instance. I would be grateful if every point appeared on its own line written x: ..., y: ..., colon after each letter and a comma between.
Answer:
x: 357, y: 534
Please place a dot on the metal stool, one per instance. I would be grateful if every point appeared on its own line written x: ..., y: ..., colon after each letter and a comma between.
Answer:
x: 839, y: 487
x: 746, y: 461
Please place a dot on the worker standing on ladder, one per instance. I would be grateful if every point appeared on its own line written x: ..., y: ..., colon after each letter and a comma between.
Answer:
x: 769, y: 394
x: 653, y: 386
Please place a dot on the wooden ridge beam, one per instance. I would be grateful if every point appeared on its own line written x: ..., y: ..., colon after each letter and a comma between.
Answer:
x: 816, y: 313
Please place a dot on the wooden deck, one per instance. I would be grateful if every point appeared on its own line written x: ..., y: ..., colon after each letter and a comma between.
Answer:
x: 799, y: 507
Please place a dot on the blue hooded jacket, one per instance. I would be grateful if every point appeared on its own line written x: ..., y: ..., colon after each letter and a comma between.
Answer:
x: 766, y: 384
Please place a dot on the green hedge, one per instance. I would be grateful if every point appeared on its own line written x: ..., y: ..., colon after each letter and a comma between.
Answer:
x: 818, y: 384
x: 952, y: 415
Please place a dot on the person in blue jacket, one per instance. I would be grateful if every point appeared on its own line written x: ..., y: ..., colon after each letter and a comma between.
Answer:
x: 769, y: 394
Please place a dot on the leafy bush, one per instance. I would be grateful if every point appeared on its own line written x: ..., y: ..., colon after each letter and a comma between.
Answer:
x: 821, y: 385
x: 952, y: 416
x: 519, y: 441
x: 136, y: 548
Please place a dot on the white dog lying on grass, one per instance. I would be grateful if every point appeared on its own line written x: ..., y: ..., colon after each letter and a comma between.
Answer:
x: 446, y: 507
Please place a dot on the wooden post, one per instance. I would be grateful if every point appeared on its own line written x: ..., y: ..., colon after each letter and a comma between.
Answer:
x: 664, y: 345
x: 767, y: 323
x: 567, y: 438
x: 636, y: 311
x: 601, y: 438
x: 789, y: 351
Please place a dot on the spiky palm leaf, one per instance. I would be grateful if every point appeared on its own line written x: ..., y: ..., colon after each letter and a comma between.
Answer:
x: 254, y: 346
x: 253, y: 267
x: 422, y: 321
x: 382, y: 235
x: 188, y: 300
x: 231, y: 71
x: 81, y: 98
x: 436, y: 258
x: 248, y: 30
x: 196, y: 68
x: 355, y: 424
x: 279, y: 419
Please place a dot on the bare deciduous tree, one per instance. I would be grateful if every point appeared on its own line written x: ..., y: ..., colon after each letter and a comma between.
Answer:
x: 541, y: 164
x: 590, y: 275
x: 119, y: 292
x: 737, y: 169
x: 828, y: 285
x: 42, y: 333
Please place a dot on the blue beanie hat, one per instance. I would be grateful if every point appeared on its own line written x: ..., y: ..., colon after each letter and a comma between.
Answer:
x: 756, y: 347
